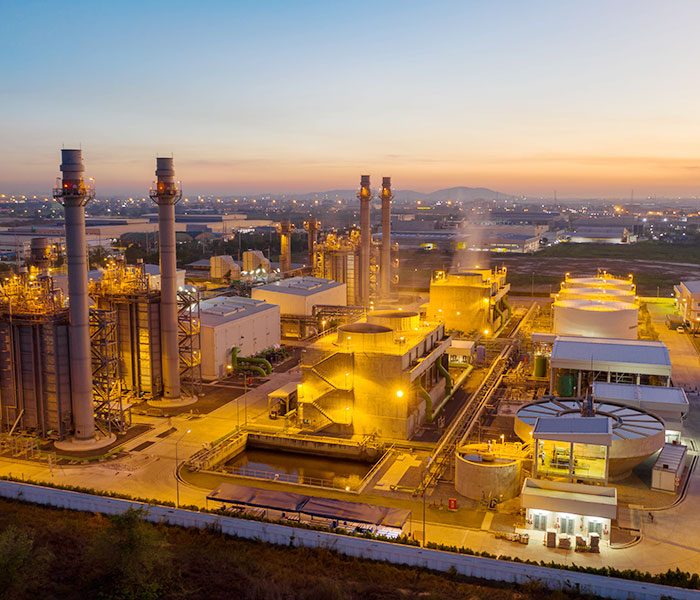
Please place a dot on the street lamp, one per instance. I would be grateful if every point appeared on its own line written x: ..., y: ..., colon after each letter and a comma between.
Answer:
x: 177, y: 464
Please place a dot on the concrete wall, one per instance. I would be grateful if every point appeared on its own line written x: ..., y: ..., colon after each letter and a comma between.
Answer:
x: 469, y: 566
x: 480, y: 480
x: 251, y: 334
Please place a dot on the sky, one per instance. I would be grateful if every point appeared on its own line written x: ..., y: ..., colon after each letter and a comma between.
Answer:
x: 591, y: 99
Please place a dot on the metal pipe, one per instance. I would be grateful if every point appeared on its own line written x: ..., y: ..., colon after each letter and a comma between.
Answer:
x: 385, y: 263
x: 74, y: 194
x: 365, y: 197
x: 166, y: 195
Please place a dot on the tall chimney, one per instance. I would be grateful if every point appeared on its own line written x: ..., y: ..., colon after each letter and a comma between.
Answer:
x: 311, y: 226
x: 285, y: 231
x: 385, y: 264
x: 166, y: 195
x: 74, y: 194
x: 365, y: 196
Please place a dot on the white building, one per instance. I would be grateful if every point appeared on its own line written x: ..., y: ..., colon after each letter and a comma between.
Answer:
x: 299, y: 295
x: 153, y: 272
x: 688, y: 300
x: 234, y: 322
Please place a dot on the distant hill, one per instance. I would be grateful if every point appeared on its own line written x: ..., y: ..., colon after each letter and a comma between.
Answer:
x: 459, y: 194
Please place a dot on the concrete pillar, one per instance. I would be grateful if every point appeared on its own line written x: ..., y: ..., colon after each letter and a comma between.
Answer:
x: 166, y: 195
x: 74, y: 195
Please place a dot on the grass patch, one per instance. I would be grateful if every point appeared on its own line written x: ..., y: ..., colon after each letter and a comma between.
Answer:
x: 688, y: 252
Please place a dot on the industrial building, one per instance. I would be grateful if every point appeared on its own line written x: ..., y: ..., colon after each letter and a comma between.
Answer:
x: 223, y: 267
x: 469, y: 301
x: 230, y: 322
x: 380, y: 376
x: 687, y: 295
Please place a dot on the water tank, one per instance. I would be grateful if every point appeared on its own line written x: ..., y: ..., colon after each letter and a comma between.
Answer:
x: 566, y: 384
x: 637, y: 434
x: 398, y: 320
x: 480, y: 474
x: 593, y: 293
x: 364, y: 337
x: 541, y: 365
x: 601, y: 282
x: 593, y: 318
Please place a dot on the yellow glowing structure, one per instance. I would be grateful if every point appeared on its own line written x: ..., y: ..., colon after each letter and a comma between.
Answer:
x: 380, y: 376
x: 469, y: 301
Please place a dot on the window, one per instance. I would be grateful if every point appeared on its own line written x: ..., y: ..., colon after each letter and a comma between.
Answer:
x: 566, y: 525
x: 595, y: 526
x: 539, y: 521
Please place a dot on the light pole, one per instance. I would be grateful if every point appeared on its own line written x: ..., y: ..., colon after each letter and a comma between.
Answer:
x: 177, y: 464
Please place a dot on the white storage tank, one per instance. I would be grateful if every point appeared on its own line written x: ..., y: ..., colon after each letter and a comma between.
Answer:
x: 593, y: 293
x: 597, y: 319
x: 602, y: 281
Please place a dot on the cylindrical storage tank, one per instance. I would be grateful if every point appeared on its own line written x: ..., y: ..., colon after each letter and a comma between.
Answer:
x: 590, y: 318
x: 480, y: 474
x: 541, y: 365
x: 602, y: 281
x: 592, y: 293
x: 398, y: 320
x: 566, y: 385
x: 637, y: 434
x: 364, y: 337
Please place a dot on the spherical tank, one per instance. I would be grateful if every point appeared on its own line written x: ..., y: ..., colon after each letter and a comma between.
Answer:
x: 590, y: 318
x: 637, y: 434
x: 481, y: 474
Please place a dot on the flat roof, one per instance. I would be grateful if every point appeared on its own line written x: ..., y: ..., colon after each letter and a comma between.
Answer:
x: 693, y: 286
x: 223, y: 309
x: 588, y: 430
x: 639, y: 394
x: 614, y: 355
x: 576, y: 498
x: 671, y: 458
x: 300, y: 286
x: 339, y: 510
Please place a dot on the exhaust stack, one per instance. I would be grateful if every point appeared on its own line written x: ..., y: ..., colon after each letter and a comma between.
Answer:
x: 385, y: 264
x: 74, y: 194
x: 365, y: 197
x: 166, y: 195
x: 285, y: 231
x: 312, y: 226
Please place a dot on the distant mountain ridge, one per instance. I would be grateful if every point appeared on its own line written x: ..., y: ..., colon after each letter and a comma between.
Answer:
x: 458, y: 194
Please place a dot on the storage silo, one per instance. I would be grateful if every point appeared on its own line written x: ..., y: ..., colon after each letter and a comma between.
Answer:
x: 598, y: 319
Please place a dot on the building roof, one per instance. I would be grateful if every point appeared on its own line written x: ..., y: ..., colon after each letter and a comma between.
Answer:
x: 224, y: 309
x: 639, y: 395
x: 671, y: 458
x: 693, y: 286
x: 575, y: 498
x: 300, y: 286
x: 617, y: 356
x: 588, y: 430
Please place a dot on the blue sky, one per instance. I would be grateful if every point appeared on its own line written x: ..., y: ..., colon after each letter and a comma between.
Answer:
x: 589, y: 98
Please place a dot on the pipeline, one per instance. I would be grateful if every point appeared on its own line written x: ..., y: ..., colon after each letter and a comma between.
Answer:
x: 446, y: 374
x: 261, y: 363
x: 240, y: 364
x: 428, y: 403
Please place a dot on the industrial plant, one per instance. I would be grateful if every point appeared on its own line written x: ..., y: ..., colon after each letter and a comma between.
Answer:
x: 316, y: 371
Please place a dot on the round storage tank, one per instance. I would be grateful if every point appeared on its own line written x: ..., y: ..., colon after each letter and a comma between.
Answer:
x: 637, y: 434
x: 590, y: 293
x: 364, y: 337
x: 398, y: 320
x: 601, y: 282
x: 590, y: 318
x: 480, y: 474
x: 541, y: 366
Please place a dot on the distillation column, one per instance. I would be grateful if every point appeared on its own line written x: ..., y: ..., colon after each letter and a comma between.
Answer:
x: 285, y: 231
x: 74, y: 194
x: 365, y: 197
x: 166, y: 195
x: 385, y: 263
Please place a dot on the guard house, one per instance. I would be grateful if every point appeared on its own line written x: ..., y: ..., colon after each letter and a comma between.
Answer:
x: 562, y: 511
x: 573, y: 448
x: 577, y: 362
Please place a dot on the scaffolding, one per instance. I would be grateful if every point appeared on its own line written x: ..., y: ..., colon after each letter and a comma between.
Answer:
x: 189, y: 344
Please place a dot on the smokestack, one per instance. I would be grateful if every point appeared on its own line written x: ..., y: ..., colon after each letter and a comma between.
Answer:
x: 74, y: 194
x: 311, y: 226
x: 166, y: 195
x: 365, y: 196
x: 285, y: 231
x: 385, y: 264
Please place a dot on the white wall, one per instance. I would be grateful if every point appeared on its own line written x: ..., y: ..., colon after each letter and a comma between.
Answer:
x: 251, y: 333
x: 297, y: 304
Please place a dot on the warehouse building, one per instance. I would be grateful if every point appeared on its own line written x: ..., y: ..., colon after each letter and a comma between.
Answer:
x: 229, y: 322
x: 299, y: 295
